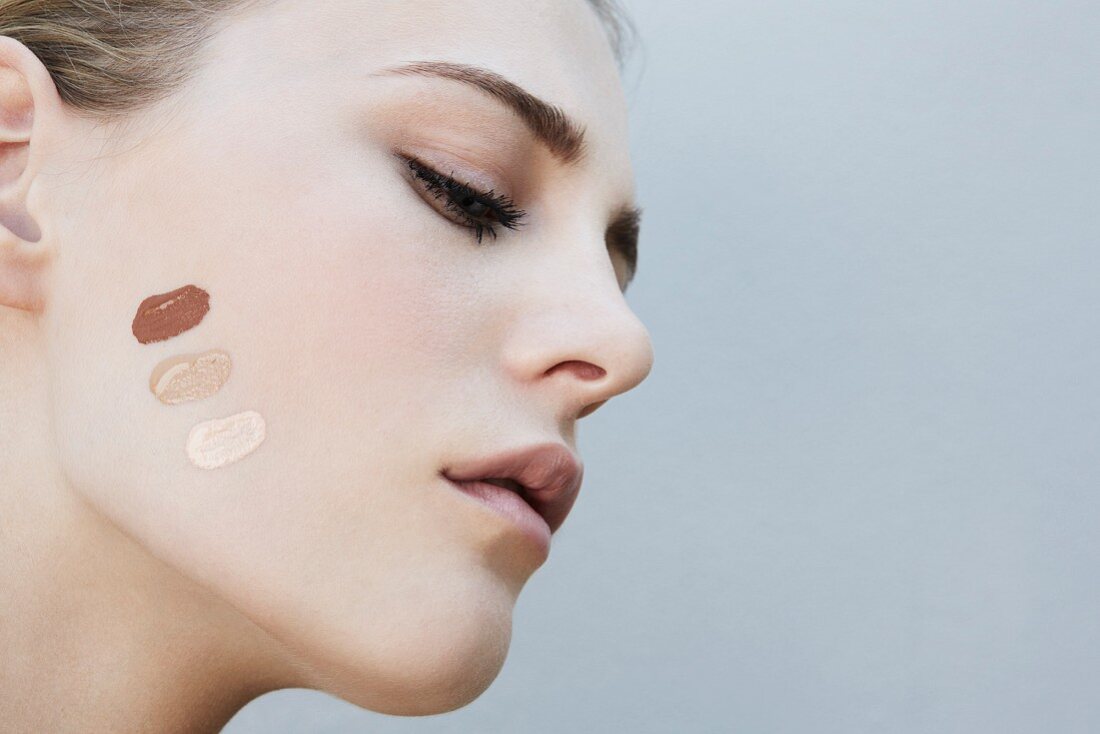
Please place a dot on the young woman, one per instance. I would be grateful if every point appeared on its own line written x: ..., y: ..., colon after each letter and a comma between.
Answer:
x: 300, y: 305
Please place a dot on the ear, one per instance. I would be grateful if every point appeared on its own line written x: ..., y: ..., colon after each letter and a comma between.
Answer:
x: 28, y: 96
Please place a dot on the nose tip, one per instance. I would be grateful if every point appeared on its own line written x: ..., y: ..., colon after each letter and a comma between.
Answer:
x: 577, y: 332
x: 620, y: 361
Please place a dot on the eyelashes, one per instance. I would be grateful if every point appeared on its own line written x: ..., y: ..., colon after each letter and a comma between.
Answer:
x: 465, y: 205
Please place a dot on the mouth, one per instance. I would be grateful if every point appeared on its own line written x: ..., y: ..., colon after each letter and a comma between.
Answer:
x: 546, y: 477
x: 511, y: 505
x: 511, y: 484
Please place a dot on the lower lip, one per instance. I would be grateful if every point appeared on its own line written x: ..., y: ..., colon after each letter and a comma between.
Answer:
x: 509, y: 504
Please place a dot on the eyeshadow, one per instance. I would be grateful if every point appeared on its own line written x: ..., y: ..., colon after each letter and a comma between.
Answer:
x: 170, y: 314
x: 189, y: 377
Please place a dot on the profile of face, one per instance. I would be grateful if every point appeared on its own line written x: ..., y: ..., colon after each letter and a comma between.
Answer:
x: 401, y: 271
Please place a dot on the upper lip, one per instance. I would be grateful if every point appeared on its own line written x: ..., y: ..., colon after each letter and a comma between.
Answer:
x: 550, y: 473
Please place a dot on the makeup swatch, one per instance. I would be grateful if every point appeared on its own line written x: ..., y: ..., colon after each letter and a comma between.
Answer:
x: 184, y: 378
x: 222, y: 441
x: 190, y: 377
x: 170, y: 314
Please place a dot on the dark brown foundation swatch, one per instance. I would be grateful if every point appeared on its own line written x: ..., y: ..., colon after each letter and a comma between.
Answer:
x: 170, y: 314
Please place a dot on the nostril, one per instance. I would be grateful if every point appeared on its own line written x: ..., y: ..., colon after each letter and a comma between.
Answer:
x: 582, y: 369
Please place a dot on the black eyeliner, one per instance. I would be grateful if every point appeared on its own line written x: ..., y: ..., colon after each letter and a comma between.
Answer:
x: 457, y: 195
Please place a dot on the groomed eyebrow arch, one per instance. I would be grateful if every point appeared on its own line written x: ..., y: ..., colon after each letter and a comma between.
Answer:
x: 562, y: 135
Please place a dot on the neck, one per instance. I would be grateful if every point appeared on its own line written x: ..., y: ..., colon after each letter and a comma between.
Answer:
x: 96, y: 634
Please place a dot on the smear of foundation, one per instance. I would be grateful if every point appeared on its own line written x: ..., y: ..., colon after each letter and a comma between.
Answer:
x: 222, y: 441
x: 170, y: 314
x: 190, y: 376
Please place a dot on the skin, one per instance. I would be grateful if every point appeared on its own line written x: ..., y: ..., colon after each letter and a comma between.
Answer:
x: 377, y: 338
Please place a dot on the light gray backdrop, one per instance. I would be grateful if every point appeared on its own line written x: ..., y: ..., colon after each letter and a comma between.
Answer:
x: 859, y: 490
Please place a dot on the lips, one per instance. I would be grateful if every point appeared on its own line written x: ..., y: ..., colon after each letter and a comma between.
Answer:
x: 549, y: 476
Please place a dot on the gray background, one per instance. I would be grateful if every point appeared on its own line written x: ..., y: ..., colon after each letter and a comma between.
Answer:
x: 858, y: 492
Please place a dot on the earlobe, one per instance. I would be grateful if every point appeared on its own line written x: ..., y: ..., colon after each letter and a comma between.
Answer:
x: 24, y: 257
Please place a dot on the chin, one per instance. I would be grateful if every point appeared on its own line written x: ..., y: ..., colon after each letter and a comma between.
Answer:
x: 422, y: 663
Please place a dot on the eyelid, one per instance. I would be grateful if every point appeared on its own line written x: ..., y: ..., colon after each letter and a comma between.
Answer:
x: 460, y: 170
x: 455, y: 195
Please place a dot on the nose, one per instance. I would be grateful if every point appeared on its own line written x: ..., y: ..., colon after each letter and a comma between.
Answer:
x: 576, y: 340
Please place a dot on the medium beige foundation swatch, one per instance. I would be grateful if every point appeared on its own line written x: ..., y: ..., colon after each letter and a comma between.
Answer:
x: 190, y: 377
x: 222, y: 441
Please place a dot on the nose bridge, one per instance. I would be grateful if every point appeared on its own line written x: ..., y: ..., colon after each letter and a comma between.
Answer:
x: 577, y: 332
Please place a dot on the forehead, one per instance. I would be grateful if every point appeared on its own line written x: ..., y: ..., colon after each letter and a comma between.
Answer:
x: 555, y: 49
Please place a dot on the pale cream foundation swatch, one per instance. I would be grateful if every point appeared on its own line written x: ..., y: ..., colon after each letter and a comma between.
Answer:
x: 222, y: 441
x: 190, y: 377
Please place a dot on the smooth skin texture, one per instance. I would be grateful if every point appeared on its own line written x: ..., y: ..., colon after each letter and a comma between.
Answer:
x: 377, y: 338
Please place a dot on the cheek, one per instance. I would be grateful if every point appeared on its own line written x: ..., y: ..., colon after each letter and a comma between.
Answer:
x: 338, y: 317
x: 355, y: 318
x: 350, y: 334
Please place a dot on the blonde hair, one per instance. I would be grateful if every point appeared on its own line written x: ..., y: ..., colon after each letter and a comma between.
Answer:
x: 110, y: 57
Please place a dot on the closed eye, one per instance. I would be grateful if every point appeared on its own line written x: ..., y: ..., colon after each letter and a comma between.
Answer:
x: 464, y: 204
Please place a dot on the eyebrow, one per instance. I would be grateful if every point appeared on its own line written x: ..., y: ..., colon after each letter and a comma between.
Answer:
x: 562, y: 136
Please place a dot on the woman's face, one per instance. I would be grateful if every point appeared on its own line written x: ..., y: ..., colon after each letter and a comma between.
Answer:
x: 377, y: 338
